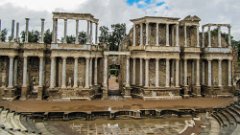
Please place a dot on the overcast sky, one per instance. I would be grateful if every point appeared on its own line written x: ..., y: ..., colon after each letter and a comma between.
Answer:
x: 119, y: 11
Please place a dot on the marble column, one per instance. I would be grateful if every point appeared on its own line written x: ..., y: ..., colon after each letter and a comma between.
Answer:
x: 91, y: 32
x: 105, y: 71
x: 198, y: 38
x: 127, y: 71
x: 65, y: 31
x: 96, y: 34
x: 56, y: 30
x: 177, y: 35
x: 167, y: 73
x: 157, y: 34
x: 134, y: 71
x: 53, y: 73
x: 203, y: 37
x: 90, y: 72
x: 42, y: 31
x: 75, y: 85
x: 157, y: 73
x: 17, y: 32
x: 146, y: 72
x: 193, y: 72
x: 219, y: 37
x: 64, y: 59
x: 10, y: 73
x: 141, y: 34
x: 26, y: 30
x: 147, y: 34
x: 53, y: 31
x: 24, y: 84
x: 77, y: 32
x: 229, y: 36
x: 177, y: 73
x: 167, y: 35
x: 229, y: 73
x: 185, y: 72
x: 203, y: 72
x: 15, y: 72
x: 209, y: 73
x: 87, y: 73
x: 141, y: 72
x: 40, y: 72
x: 13, y: 29
x: 96, y: 71
x: 209, y: 37
x: 88, y: 32
x: 220, y: 72
x: 134, y: 35
x: 185, y: 36
x: 197, y: 72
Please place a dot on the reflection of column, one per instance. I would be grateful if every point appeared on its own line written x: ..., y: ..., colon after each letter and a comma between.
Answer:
x: 40, y: 71
x: 95, y: 71
x: 75, y: 85
x: 185, y: 72
x: 64, y: 59
x: 198, y: 72
x: 24, y: 72
x: 77, y: 32
x: 146, y: 72
x: 167, y: 72
x: 177, y: 34
x: 167, y: 35
x: 127, y: 71
x: 220, y: 72
x: 26, y: 31
x: 10, y: 74
x: 65, y: 31
x: 87, y: 73
x: 209, y: 36
x: 229, y: 36
x: 209, y: 73
x: 177, y: 73
x: 134, y: 35
x: 53, y: 72
x: 229, y: 73
x: 42, y: 31
x: 185, y: 36
x: 198, y: 44
x: 157, y: 34
x: 141, y: 72
x: 134, y: 71
x: 157, y: 73
x: 147, y: 31
x: 219, y: 37
x: 141, y: 34
x: 105, y: 71
x: 203, y: 37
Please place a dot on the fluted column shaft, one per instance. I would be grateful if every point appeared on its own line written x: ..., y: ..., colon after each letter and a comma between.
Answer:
x: 87, y: 73
x: 75, y: 85
x: 141, y: 72
x: 96, y: 34
x: 157, y: 73
x: 141, y: 34
x: 177, y: 34
x: 157, y: 34
x: 220, y: 72
x: 40, y: 71
x: 42, y: 31
x: 198, y: 72
x: 134, y: 35
x: 105, y: 71
x: 167, y: 73
x: 146, y: 72
x: 95, y: 71
x: 24, y: 72
x: 198, y: 38
x: 147, y: 34
x: 134, y: 71
x: 90, y: 72
x: 13, y: 29
x: 203, y: 37
x: 209, y: 73
x: 185, y: 36
x: 10, y: 74
x: 53, y: 73
x: 26, y: 30
x: 127, y: 72
x: 229, y: 73
x: 203, y: 72
x: 185, y: 72
x: 167, y: 35
x: 65, y: 31
x: 64, y: 59
x: 209, y: 37
x: 177, y: 73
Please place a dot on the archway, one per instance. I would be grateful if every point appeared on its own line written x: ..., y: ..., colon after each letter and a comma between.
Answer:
x: 114, y: 80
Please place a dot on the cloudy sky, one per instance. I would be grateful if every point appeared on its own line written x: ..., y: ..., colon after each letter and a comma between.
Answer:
x: 120, y: 11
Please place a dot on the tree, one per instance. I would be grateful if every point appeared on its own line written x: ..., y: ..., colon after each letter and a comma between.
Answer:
x: 119, y: 32
x: 82, y: 38
x: 33, y: 36
x: 3, y: 35
x: 47, y: 37
x: 104, y: 36
x: 70, y: 39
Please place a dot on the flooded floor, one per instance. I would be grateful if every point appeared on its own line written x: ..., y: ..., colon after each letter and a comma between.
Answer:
x: 169, y: 126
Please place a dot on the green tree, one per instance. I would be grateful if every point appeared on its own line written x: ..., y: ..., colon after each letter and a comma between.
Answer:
x: 4, y: 35
x: 82, y: 38
x: 33, y: 36
x: 104, y: 34
x: 118, y: 34
x: 48, y: 37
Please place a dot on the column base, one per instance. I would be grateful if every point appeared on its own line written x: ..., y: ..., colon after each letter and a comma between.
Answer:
x: 23, y: 93
x: 8, y: 94
x: 40, y: 92
x: 127, y: 93
x: 104, y: 93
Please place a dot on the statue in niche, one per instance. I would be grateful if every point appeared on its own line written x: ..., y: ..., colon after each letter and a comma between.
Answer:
x: 69, y: 82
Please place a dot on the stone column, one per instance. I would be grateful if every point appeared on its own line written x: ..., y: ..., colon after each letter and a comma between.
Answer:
x: 15, y: 72
x: 147, y: 36
x: 88, y: 35
x: 90, y: 72
x: 75, y: 85
x: 17, y: 32
x: 220, y: 73
x: 127, y: 72
x: 198, y: 72
x: 157, y: 34
x: 141, y: 34
x: 53, y: 73
x: 105, y: 71
x: 96, y: 71
x: 167, y: 35
x: 185, y: 72
x: 177, y: 73
x: 77, y: 32
x: 141, y: 72
x: 64, y: 59
x: 134, y: 35
x: 90, y: 32
x: 87, y: 73
x: 193, y: 72
x: 209, y: 73
x: 157, y: 73
x: 177, y: 34
x: 42, y: 31
x: 65, y: 31
x: 209, y: 37
x: 167, y: 73
x: 40, y: 71
x: 13, y: 29
x: 10, y: 74
x: 24, y: 84
x: 53, y: 31
x: 26, y: 30
x: 198, y: 39
x: 229, y: 73
x: 0, y: 30
x: 219, y: 37
x: 203, y: 72
x: 96, y: 34
x: 146, y: 72
x: 185, y: 36
x: 229, y: 36
x: 203, y: 37
x: 134, y: 71
x: 56, y: 30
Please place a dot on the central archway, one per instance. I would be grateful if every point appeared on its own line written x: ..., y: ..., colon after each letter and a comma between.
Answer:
x: 114, y: 80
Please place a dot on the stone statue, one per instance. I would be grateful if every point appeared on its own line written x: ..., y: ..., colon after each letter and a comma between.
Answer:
x: 69, y: 82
